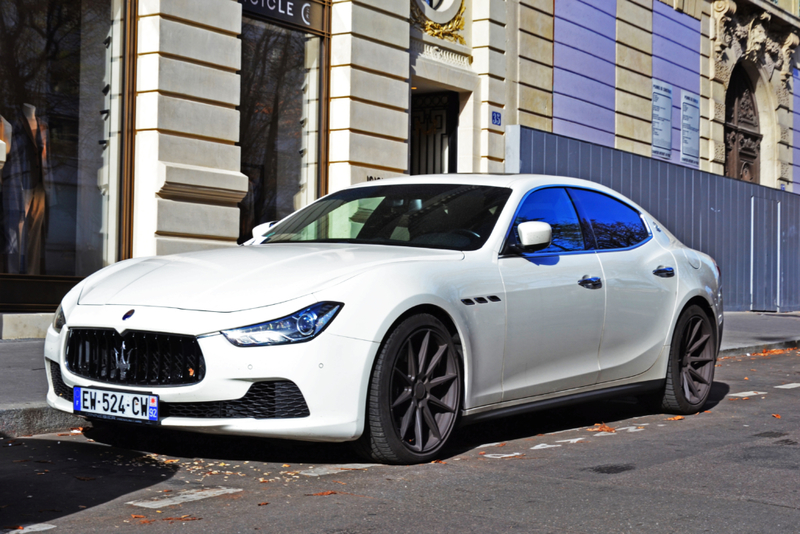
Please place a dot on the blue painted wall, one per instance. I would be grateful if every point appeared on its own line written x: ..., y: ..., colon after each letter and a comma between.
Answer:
x: 584, y: 59
x: 676, y: 60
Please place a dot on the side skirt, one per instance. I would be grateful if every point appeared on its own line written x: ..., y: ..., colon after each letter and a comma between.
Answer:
x: 577, y: 398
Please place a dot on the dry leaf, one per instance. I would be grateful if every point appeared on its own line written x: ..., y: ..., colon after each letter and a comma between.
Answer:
x: 137, y: 516
x: 438, y: 462
x: 601, y: 427
x: 676, y: 418
x: 85, y: 479
x: 321, y: 494
x: 776, y: 416
x: 342, y: 483
x: 482, y: 453
x: 746, y: 378
x: 147, y: 521
x: 502, y: 444
x: 263, y: 503
x: 170, y: 461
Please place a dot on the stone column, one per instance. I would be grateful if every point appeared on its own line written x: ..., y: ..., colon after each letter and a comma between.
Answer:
x: 369, y: 91
x: 489, y: 62
x: 187, y: 179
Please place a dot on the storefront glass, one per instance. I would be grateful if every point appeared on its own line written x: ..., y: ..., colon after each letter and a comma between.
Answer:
x: 60, y: 124
x: 279, y: 114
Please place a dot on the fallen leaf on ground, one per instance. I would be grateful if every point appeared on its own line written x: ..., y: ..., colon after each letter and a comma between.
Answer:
x: 676, y: 418
x: 166, y: 491
x: 182, y: 518
x: 601, y: 427
x: 64, y: 434
x: 502, y: 444
x: 85, y: 479
x: 776, y: 416
x: 321, y: 494
x: 342, y: 483
x: 284, y: 465
x: 170, y: 461
x: 147, y: 521
x: 438, y: 462
x: 482, y: 453
x: 137, y: 516
x: 263, y: 503
x: 746, y: 378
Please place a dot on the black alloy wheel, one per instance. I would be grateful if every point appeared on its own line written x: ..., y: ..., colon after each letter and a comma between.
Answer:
x: 415, y: 393
x: 690, y: 371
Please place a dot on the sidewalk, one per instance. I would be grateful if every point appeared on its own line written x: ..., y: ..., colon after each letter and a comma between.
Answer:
x: 23, y: 409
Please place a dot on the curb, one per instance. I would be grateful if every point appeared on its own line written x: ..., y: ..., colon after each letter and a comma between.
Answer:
x: 15, y: 422
x: 755, y: 349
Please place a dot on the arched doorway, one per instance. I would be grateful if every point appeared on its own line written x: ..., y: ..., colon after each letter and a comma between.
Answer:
x: 742, y: 132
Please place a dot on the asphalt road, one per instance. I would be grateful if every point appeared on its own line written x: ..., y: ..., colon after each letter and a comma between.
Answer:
x: 733, y: 468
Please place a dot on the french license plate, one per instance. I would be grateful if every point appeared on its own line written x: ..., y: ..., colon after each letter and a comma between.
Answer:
x: 118, y: 405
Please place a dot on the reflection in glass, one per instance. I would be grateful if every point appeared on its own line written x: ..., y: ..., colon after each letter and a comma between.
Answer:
x: 554, y: 207
x: 59, y: 120
x: 615, y: 225
x: 279, y: 127
x: 458, y: 217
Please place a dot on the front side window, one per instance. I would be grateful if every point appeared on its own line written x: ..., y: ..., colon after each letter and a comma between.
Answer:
x: 614, y: 224
x: 554, y: 207
x: 60, y: 124
x: 456, y: 217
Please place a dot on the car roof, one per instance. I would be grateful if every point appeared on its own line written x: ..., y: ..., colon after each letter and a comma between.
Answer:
x: 514, y: 181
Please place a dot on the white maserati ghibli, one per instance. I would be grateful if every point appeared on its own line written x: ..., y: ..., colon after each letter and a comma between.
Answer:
x: 389, y: 312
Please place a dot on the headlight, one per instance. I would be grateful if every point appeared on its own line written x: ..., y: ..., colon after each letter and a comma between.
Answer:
x: 301, y: 326
x: 59, y: 320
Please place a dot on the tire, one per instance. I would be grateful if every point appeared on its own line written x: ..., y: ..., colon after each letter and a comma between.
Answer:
x: 692, y: 357
x: 411, y: 413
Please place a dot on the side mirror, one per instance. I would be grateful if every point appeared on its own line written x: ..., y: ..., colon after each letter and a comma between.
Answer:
x: 534, y: 235
x: 262, y: 228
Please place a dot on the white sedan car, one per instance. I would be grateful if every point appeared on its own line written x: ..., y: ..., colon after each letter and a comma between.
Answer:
x: 390, y: 311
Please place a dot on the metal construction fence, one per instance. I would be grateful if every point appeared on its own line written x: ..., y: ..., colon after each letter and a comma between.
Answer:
x: 750, y: 230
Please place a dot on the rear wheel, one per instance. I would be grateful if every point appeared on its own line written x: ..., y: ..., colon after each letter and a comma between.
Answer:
x: 690, y: 371
x: 414, y: 394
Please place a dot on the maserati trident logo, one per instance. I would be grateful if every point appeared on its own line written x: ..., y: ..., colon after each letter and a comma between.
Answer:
x: 123, y: 361
x: 127, y: 315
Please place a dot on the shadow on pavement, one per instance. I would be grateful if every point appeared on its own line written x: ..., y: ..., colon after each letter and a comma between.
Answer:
x: 44, y: 479
x: 236, y: 448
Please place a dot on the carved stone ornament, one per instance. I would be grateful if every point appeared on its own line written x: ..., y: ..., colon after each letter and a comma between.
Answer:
x: 751, y: 35
x: 449, y: 31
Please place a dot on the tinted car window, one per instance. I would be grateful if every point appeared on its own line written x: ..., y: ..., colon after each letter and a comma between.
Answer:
x: 554, y: 207
x: 615, y: 224
x: 449, y: 216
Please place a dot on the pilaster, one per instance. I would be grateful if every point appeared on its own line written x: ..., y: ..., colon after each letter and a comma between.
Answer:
x: 535, y: 64
x: 634, y: 71
x: 187, y: 182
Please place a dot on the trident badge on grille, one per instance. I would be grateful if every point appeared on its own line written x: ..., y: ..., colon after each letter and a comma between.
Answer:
x: 123, y: 361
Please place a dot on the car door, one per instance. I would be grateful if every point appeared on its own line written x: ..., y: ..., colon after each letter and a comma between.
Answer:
x: 554, y: 303
x: 641, y: 281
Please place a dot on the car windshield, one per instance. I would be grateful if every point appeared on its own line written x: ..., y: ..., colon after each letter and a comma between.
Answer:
x: 447, y: 216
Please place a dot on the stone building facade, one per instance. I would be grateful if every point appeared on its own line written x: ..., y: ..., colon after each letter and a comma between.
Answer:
x: 221, y: 114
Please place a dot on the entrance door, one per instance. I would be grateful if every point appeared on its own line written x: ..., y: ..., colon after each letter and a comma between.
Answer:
x: 434, y: 128
x: 742, y: 135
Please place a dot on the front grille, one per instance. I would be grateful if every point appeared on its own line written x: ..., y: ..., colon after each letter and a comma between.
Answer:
x: 264, y: 400
x: 146, y: 359
x: 60, y: 388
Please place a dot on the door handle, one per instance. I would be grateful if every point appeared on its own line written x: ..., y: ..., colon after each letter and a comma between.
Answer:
x: 664, y: 272
x: 592, y: 282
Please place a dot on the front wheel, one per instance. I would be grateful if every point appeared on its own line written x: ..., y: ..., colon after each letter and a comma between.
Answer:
x: 692, y: 358
x: 414, y: 393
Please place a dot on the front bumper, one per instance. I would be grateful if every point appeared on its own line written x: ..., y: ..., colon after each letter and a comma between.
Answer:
x: 331, y: 372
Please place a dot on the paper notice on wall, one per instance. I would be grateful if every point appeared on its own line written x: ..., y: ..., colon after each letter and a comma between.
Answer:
x: 690, y: 128
x: 662, y: 119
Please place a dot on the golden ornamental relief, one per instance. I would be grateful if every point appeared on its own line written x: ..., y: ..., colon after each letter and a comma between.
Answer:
x: 448, y: 31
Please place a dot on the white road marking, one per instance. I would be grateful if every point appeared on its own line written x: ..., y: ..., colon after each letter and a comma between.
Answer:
x: 497, y: 456
x: 544, y: 446
x: 333, y: 469
x: 38, y: 527
x: 490, y: 444
x: 576, y: 440
x: 747, y: 394
x: 629, y: 429
x: 605, y: 433
x: 184, y: 496
x: 789, y: 386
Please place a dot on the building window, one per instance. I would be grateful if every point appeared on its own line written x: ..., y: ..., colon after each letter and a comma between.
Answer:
x: 60, y: 87
x: 279, y: 120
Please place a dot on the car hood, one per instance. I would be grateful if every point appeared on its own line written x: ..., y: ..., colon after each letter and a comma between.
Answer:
x: 242, y: 278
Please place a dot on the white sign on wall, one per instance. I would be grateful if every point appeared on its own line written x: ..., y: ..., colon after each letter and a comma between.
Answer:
x: 690, y: 128
x: 662, y: 119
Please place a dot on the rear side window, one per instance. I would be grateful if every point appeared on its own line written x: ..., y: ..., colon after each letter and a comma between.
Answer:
x: 614, y: 223
x: 554, y: 207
